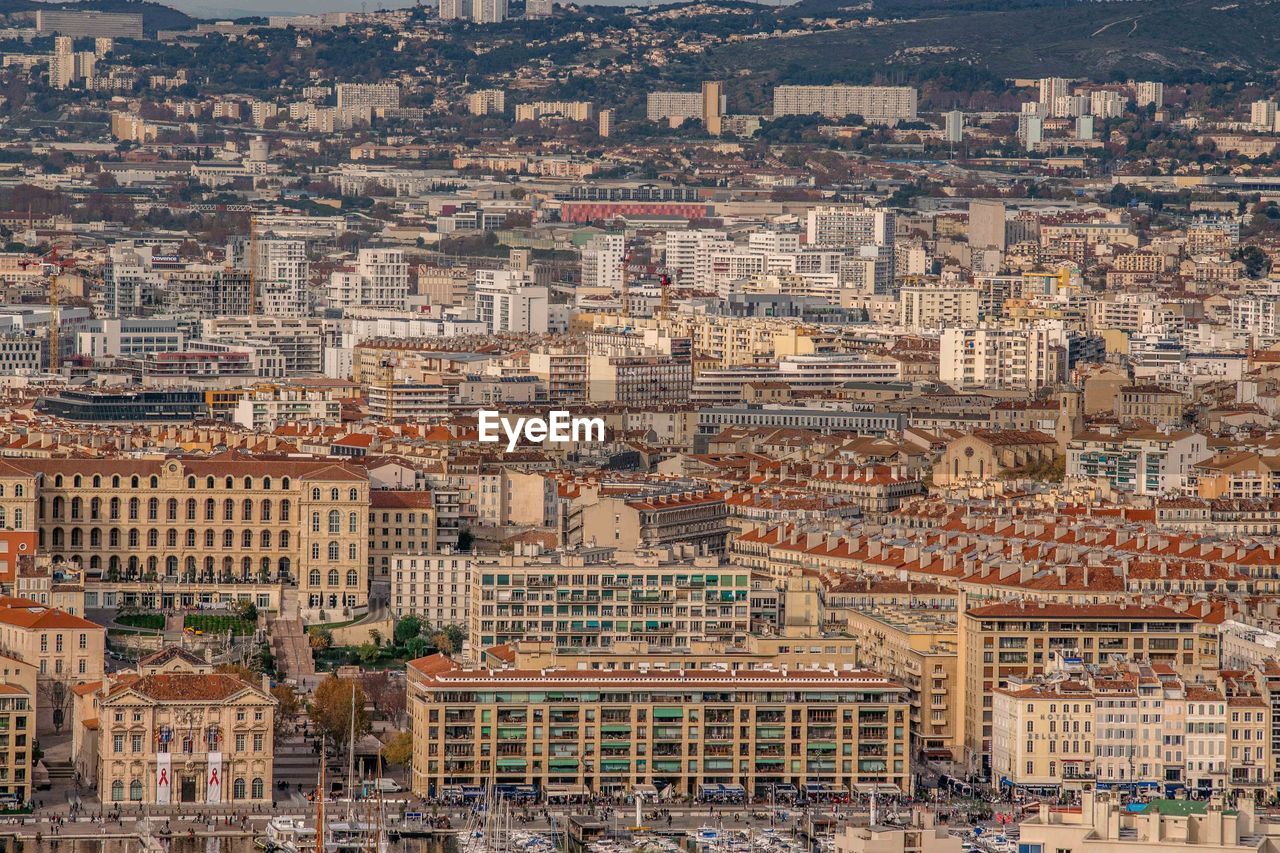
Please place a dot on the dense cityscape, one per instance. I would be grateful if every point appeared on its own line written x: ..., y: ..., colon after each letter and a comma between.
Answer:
x: 510, y: 425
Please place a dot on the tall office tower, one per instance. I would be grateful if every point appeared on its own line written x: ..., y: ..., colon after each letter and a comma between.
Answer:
x: 1149, y: 92
x: 986, y: 225
x: 1052, y: 88
x: 605, y: 127
x: 1030, y: 130
x: 376, y: 95
x: 1084, y: 128
x: 953, y: 126
x: 712, y: 106
x: 281, y: 274
x: 849, y: 226
x: 1262, y: 115
x: 489, y: 11
x: 454, y: 10
x: 602, y: 259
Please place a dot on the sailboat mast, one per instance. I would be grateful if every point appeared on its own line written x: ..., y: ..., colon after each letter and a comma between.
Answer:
x: 320, y: 803
x: 351, y: 754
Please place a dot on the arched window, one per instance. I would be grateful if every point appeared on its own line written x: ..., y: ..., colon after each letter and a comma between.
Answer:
x: 266, y: 567
x: 315, y: 550
x: 248, y: 483
x: 95, y: 537
x: 113, y: 539
x: 246, y: 510
x: 172, y: 510
x: 115, y: 481
x: 76, y: 506
x: 230, y: 482
x: 171, y: 538
x: 58, y: 505
x: 353, y: 523
x: 265, y: 511
x: 17, y: 519
x: 351, y: 551
x: 284, y: 567
x: 315, y: 494
x: 208, y: 539
x: 153, y: 538
x: 135, y: 791
x: 208, y: 482
x: 284, y: 540
x: 18, y: 491
x: 333, y: 577
x: 333, y: 552
x: 191, y: 482
x: 246, y: 539
x: 284, y: 484
x: 237, y: 789
x: 153, y: 509
x: 313, y: 577
x: 171, y: 565
x: 335, y: 521
x: 353, y: 495
x: 284, y: 509
x: 228, y: 510
x: 95, y: 508
x: 352, y: 577
x: 246, y: 567
x: 191, y: 509
x: 117, y: 791
x: 266, y: 482
x: 77, y: 537
x: 133, y: 537
x: 257, y: 789
x: 114, y: 509
x: 133, y: 509
x: 315, y: 522
x: 155, y: 481
x: 228, y: 539
x: 57, y: 481
x: 133, y: 481
x: 57, y: 537
x: 333, y: 494
x: 210, y: 508
x: 191, y: 538
x: 191, y: 567
x: 265, y: 539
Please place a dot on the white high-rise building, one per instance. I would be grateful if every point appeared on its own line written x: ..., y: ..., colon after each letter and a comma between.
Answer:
x: 489, y: 11
x: 374, y: 95
x: 281, y: 274
x: 1027, y: 358
x: 1084, y: 128
x: 1030, y: 130
x: 1262, y: 115
x: 602, y: 260
x: 876, y: 104
x: 509, y: 301
x: 1149, y: 92
x: 1105, y: 104
x: 1052, y: 88
x: 849, y: 226
x: 379, y: 279
x: 684, y: 250
x: 953, y: 126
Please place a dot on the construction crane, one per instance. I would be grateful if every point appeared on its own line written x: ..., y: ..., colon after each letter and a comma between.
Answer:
x: 56, y: 265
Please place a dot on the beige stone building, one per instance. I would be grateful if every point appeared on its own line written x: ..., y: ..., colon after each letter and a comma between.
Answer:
x: 985, y: 454
x: 168, y: 533
x: 400, y: 522
x: 176, y: 737
x: 1042, y: 738
x: 17, y: 739
x: 64, y: 650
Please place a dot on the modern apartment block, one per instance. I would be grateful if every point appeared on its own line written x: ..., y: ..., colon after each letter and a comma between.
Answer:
x: 876, y: 104
x: 580, y: 731
x: 593, y: 597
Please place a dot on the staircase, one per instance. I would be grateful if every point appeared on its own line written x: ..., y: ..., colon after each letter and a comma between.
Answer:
x: 291, y: 648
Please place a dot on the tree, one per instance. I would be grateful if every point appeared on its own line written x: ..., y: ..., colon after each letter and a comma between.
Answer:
x: 399, y: 749
x: 386, y: 695
x: 406, y: 629
x: 368, y: 653
x: 375, y: 637
x: 240, y: 671
x: 331, y: 711
x: 288, y: 707
x: 57, y: 695
x: 320, y: 638
x: 457, y: 636
x: 442, y: 643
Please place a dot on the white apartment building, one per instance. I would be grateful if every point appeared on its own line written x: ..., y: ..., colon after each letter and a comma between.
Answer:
x: 1149, y: 92
x: 687, y: 254
x: 379, y: 279
x: 1258, y: 316
x: 509, y: 301
x: 375, y: 95
x: 675, y: 108
x: 1262, y: 115
x: 487, y: 102
x: 876, y: 104
x: 435, y: 587
x: 282, y: 274
x: 926, y: 307
x: 849, y: 226
x: 1105, y: 104
x: 994, y: 357
x: 602, y: 260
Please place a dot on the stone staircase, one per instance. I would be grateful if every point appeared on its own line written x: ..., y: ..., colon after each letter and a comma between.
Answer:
x: 291, y: 648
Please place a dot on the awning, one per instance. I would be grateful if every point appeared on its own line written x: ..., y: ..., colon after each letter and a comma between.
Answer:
x: 668, y: 713
x: 645, y: 791
x: 938, y: 754
x: 566, y: 790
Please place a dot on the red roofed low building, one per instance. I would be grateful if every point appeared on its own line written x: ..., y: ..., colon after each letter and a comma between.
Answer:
x: 645, y: 519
